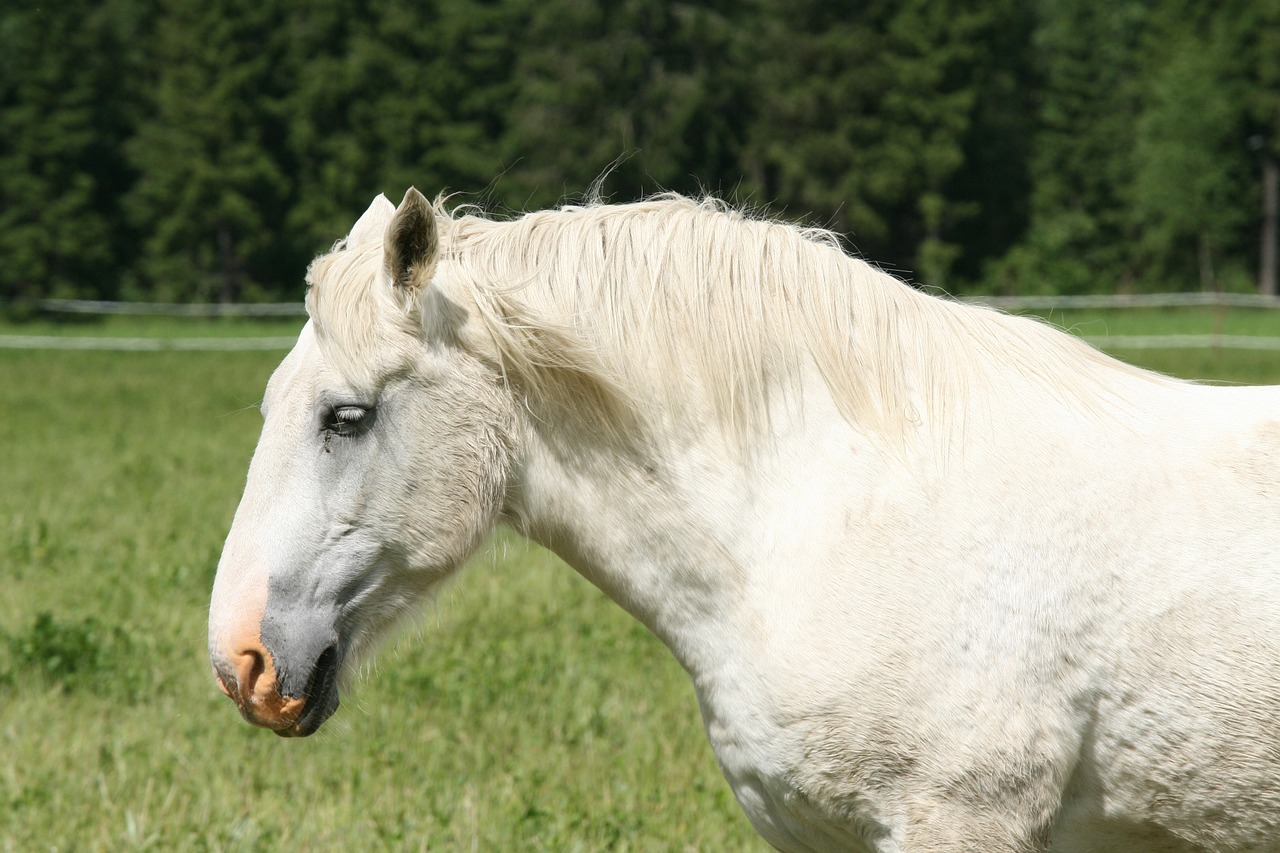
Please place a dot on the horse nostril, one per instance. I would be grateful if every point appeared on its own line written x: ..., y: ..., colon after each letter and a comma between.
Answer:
x: 250, y: 665
x: 222, y: 682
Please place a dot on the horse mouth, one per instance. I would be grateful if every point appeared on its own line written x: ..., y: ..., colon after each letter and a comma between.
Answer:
x: 321, y: 694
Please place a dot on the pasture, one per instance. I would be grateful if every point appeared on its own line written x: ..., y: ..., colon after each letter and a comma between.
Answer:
x: 524, y: 712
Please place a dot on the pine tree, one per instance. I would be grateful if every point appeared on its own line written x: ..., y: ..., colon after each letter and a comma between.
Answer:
x: 652, y: 93
x: 1258, y: 26
x: 1189, y: 147
x: 866, y: 113
x: 67, y: 102
x: 1082, y: 163
x: 393, y: 95
x: 211, y: 186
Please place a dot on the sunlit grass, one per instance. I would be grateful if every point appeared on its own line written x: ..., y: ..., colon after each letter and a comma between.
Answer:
x: 525, y: 712
x: 1218, y: 365
x: 1098, y: 324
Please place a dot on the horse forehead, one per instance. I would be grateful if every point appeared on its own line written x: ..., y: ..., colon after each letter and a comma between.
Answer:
x: 301, y: 371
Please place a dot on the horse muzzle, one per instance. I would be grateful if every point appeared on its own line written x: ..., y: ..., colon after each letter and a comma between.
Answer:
x: 292, y: 699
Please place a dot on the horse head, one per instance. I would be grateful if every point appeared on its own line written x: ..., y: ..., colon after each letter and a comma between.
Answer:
x: 382, y: 464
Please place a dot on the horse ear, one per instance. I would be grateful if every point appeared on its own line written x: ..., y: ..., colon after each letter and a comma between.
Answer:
x: 372, y: 224
x: 411, y: 245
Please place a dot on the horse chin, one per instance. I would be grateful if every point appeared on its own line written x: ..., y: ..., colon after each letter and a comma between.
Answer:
x: 313, y: 716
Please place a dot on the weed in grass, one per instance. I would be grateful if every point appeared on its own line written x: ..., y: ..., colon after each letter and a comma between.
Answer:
x: 80, y: 654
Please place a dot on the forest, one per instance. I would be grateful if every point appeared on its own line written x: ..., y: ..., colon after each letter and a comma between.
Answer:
x: 205, y: 150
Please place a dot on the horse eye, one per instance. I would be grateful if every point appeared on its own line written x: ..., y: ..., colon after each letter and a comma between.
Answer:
x: 348, y: 420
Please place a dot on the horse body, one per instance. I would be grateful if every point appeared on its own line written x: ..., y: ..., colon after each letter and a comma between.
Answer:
x: 1040, y: 613
x: 980, y: 662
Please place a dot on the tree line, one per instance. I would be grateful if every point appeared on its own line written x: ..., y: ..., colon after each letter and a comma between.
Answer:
x: 204, y: 150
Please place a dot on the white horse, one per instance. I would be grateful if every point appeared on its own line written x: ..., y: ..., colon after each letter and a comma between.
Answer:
x: 944, y: 579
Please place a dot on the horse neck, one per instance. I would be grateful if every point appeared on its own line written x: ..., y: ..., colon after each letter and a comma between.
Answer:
x: 683, y: 535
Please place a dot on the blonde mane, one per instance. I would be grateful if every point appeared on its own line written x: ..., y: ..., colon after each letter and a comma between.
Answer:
x: 661, y: 302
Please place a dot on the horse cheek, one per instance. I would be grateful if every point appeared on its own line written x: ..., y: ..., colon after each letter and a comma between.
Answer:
x: 452, y: 482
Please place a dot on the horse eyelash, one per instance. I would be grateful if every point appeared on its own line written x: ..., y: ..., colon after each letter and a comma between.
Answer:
x: 344, y: 422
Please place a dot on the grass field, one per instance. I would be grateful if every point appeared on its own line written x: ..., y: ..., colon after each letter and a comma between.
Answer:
x: 1255, y: 367
x: 526, y: 713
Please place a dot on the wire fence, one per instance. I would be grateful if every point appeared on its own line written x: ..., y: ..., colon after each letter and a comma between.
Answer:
x: 173, y: 309
x: 222, y: 343
x: 1202, y: 299
x: 296, y: 309
x: 1242, y: 342
x: 1208, y: 299
x: 1120, y: 301
x: 63, y: 342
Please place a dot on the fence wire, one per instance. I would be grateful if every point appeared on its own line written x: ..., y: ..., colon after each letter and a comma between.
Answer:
x: 145, y: 344
x: 296, y: 309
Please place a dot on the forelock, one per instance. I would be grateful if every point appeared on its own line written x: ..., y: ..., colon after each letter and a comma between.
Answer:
x: 361, y: 329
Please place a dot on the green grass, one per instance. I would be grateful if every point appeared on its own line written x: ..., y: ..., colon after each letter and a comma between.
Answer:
x: 1095, y: 323
x: 1216, y: 365
x: 525, y: 713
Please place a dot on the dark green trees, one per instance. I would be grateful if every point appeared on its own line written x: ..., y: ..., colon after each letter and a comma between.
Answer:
x: 656, y: 94
x: 171, y: 149
x: 211, y: 181
x: 69, y: 93
x: 870, y: 114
